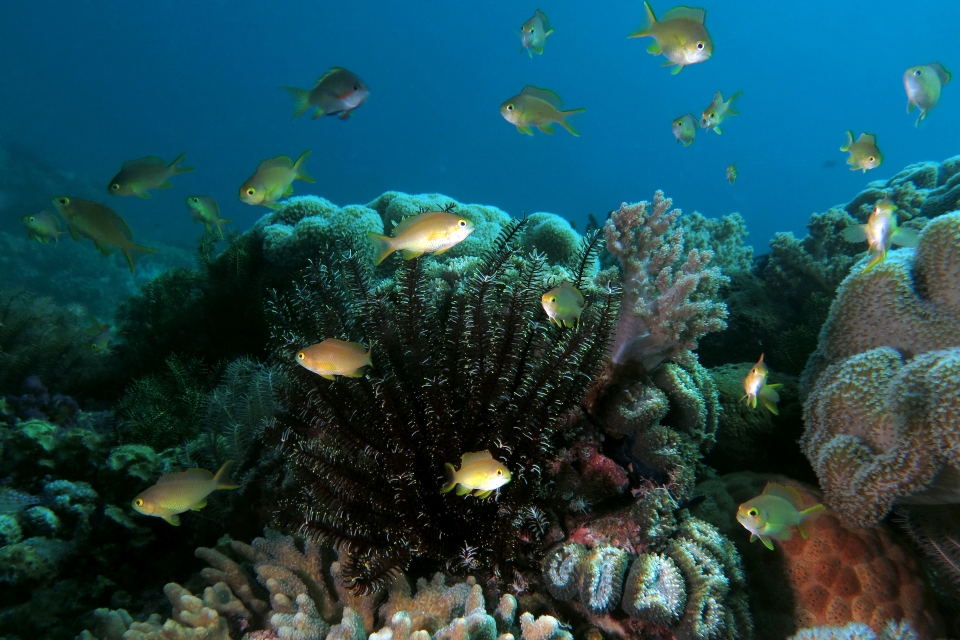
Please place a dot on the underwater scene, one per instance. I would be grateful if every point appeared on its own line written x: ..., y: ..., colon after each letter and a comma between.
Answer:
x: 460, y: 320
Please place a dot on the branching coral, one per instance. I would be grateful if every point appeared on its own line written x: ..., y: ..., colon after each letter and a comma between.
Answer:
x: 669, y: 299
x: 461, y: 369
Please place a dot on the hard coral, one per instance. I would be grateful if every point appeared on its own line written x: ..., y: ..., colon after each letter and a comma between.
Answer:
x: 669, y: 299
x: 840, y: 574
x: 464, y: 369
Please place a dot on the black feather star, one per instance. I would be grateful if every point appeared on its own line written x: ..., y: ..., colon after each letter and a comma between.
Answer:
x: 470, y: 365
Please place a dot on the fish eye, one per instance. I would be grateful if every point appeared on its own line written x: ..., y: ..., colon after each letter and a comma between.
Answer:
x: 499, y: 472
x: 871, y: 158
x: 509, y: 107
x: 194, y: 199
x: 356, y: 88
x: 139, y: 502
x: 918, y: 73
x: 251, y: 191
x: 115, y: 187
x: 300, y: 356
x: 553, y: 299
x: 700, y: 46
x: 462, y: 223
x: 63, y: 200
x: 752, y: 512
x: 32, y: 218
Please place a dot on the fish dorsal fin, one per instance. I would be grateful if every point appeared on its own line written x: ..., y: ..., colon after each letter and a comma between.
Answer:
x: 546, y: 25
x: 280, y: 162
x: 789, y: 494
x: 868, y: 138
x: 149, y: 161
x: 696, y: 14
x: 943, y: 74
x: 577, y: 296
x: 476, y: 456
x: 406, y: 223
x: 543, y: 94
x: 196, y: 475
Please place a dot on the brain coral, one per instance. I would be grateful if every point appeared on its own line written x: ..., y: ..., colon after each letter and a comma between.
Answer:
x: 841, y: 574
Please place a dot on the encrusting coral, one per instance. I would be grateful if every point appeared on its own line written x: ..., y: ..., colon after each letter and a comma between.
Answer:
x: 470, y: 366
x: 882, y: 408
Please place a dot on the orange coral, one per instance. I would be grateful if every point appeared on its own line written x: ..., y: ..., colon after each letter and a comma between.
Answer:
x: 840, y: 574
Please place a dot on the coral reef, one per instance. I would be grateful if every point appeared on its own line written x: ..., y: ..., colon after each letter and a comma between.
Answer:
x: 468, y: 367
x: 893, y: 630
x: 882, y: 409
x: 689, y: 585
x: 669, y: 299
x: 724, y: 236
x: 840, y: 574
x: 924, y: 189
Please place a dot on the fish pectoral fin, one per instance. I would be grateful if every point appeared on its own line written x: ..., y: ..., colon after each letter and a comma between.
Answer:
x: 462, y: 490
x: 199, y: 505
x: 482, y: 494
x: 328, y: 376
x: 345, y: 115
x: 273, y: 205
x: 653, y: 47
x: 546, y: 127
x: 319, y: 113
x: 906, y: 237
x: 143, y: 194
x: 410, y: 254
x: 677, y: 69
x: 103, y: 249
x: 173, y: 519
x: 166, y: 184
x: 527, y: 130
x: 288, y: 191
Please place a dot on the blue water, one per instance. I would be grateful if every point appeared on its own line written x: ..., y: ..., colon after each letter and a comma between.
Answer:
x: 87, y: 85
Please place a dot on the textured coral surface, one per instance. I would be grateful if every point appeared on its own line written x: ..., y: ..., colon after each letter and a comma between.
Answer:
x: 840, y: 574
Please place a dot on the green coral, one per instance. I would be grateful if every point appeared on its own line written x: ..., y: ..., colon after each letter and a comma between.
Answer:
x: 724, y: 236
x: 552, y: 236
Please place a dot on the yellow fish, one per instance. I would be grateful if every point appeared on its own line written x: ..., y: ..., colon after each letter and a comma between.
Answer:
x: 774, y: 512
x: 183, y: 491
x: 427, y: 232
x: 337, y: 93
x: 881, y: 232
x: 685, y: 128
x: 478, y: 472
x: 99, y: 223
x: 534, y: 32
x: 334, y: 357
x: 42, y: 227
x: 718, y: 111
x: 535, y: 107
x: 563, y: 305
x: 101, y: 335
x: 756, y: 387
x: 274, y: 180
x: 206, y: 210
x: 923, y: 85
x: 864, y: 153
x: 732, y: 174
x: 680, y: 36
x: 136, y: 177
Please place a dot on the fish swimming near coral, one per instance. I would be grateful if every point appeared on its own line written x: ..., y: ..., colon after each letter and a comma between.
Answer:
x: 923, y: 85
x: 42, y: 227
x: 756, y: 387
x: 136, y: 177
x: 881, y: 232
x: 206, y: 210
x: 12, y: 500
x: 536, y: 107
x: 563, y: 305
x: 479, y: 472
x: 426, y: 232
x: 718, y: 111
x: 864, y: 153
x: 534, y: 32
x: 333, y: 357
x: 182, y: 491
x: 99, y: 223
x: 732, y: 174
x: 685, y: 128
x: 101, y: 335
x: 680, y: 35
x: 274, y: 180
x: 775, y: 512
x: 337, y: 93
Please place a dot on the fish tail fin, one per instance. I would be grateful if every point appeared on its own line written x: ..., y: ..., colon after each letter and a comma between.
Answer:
x: 807, y: 518
x: 849, y: 144
x: 566, y: 125
x: 223, y: 480
x: 299, y: 171
x: 175, y: 165
x: 647, y: 28
x: 382, y: 246
x: 301, y: 100
x: 731, y: 107
x: 450, y: 478
x: 133, y: 252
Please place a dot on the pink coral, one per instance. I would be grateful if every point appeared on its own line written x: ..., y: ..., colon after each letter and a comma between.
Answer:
x: 669, y: 300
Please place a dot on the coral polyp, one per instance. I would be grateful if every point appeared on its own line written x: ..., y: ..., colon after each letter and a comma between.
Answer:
x: 461, y: 363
